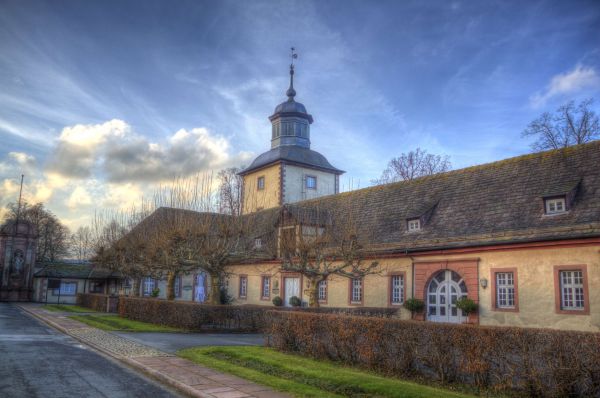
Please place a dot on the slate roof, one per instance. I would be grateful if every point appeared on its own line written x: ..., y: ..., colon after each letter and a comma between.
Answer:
x: 292, y: 154
x: 75, y: 271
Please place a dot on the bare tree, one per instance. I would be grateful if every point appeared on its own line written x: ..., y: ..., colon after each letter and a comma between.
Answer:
x: 414, y: 164
x: 316, y: 244
x: 53, y: 236
x: 82, y: 244
x: 230, y: 191
x: 569, y: 125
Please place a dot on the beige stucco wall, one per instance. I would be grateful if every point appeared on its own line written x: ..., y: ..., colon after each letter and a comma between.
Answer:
x: 294, y: 185
x: 262, y: 199
x: 535, y: 274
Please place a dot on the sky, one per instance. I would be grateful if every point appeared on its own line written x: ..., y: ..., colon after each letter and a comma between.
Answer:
x: 101, y: 102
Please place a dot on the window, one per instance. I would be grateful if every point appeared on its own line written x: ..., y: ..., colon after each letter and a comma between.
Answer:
x: 414, y: 225
x: 266, y: 287
x: 555, y: 205
x: 257, y: 243
x: 177, y: 286
x: 322, y: 291
x: 505, y: 290
x: 356, y: 293
x: 96, y: 287
x: 148, y: 286
x: 243, y: 286
x: 260, y: 183
x: 397, y: 289
x: 67, y: 288
x: 311, y: 182
x: 571, y: 290
x: 127, y: 283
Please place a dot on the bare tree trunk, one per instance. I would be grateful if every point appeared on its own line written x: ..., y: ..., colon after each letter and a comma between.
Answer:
x: 313, y: 292
x: 171, y: 285
x: 136, y: 287
x: 214, y: 295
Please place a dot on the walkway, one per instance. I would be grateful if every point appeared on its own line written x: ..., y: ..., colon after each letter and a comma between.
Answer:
x: 186, y: 376
x: 173, y: 342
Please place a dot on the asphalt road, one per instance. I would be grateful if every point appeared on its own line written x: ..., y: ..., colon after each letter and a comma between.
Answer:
x: 37, y: 361
x: 172, y: 342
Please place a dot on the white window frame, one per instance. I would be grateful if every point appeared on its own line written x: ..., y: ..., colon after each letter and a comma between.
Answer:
x: 177, y: 285
x: 311, y: 186
x: 148, y: 283
x: 397, y: 289
x: 70, y: 291
x: 414, y: 225
x: 505, y: 290
x: 243, y: 286
x: 322, y: 287
x: 258, y: 243
x: 266, y: 286
x: 556, y: 205
x: 572, y: 293
x: 357, y: 293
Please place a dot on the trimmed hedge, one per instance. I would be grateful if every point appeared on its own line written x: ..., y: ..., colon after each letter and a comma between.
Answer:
x: 98, y: 302
x: 195, y: 316
x: 532, y: 362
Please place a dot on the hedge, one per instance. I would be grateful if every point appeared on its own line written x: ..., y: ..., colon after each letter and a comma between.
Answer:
x: 98, y: 302
x: 532, y: 362
x: 196, y: 316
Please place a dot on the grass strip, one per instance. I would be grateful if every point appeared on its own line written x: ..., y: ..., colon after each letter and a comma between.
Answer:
x: 116, y: 323
x: 307, y: 377
x: 66, y: 308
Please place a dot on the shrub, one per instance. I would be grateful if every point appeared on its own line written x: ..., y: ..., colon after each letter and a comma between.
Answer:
x: 155, y: 292
x: 277, y: 301
x: 534, y: 362
x: 98, y: 302
x: 224, y: 297
x: 467, y: 305
x: 295, y: 301
x: 414, y: 305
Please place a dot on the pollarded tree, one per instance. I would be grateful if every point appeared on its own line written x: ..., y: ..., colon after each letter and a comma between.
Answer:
x: 569, y: 125
x: 315, y: 243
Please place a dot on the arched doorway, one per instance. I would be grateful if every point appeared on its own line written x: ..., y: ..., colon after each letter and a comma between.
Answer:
x: 444, y: 289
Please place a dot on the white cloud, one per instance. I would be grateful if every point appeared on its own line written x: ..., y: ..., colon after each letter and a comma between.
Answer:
x: 579, y: 79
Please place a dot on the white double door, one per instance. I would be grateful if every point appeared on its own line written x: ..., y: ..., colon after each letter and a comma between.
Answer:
x: 442, y: 293
x: 292, y: 288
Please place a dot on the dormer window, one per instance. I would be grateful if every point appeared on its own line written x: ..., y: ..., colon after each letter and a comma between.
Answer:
x: 556, y: 205
x: 414, y: 225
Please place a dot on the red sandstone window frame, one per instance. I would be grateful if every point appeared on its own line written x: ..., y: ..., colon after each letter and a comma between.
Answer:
x: 557, y: 290
x: 240, y: 296
x: 350, y: 291
x: 391, y: 287
x: 494, y: 291
x: 323, y: 301
x: 262, y: 288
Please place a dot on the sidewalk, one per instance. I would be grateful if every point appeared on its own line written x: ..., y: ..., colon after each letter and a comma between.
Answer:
x: 190, y: 378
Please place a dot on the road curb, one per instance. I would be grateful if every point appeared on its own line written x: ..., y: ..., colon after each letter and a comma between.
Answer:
x: 154, y: 374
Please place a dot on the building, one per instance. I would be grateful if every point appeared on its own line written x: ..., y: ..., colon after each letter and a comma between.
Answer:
x: 18, y: 242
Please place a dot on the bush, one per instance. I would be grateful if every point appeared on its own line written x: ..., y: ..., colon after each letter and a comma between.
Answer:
x: 277, y: 301
x: 534, y: 362
x: 414, y: 305
x: 295, y: 301
x: 98, y: 302
x: 224, y: 297
x: 467, y: 305
x: 155, y: 292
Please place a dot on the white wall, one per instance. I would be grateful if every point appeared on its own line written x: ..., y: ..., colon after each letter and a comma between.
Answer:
x: 294, y: 186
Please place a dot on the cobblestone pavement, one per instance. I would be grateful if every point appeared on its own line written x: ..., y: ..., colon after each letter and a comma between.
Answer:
x: 193, y: 379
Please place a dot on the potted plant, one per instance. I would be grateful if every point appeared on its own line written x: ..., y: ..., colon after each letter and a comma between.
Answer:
x: 467, y: 306
x: 414, y: 305
x: 277, y: 301
x: 295, y: 301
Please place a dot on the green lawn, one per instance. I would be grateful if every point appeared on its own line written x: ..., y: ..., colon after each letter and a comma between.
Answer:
x: 66, y: 308
x: 304, y: 377
x: 116, y: 323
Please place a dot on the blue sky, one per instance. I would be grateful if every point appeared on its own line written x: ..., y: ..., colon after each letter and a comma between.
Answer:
x: 101, y: 101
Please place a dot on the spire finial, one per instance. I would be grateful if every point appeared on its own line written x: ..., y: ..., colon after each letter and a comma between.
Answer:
x: 291, y: 93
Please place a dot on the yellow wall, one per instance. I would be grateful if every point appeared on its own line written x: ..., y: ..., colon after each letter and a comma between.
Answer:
x: 535, y: 274
x: 255, y: 199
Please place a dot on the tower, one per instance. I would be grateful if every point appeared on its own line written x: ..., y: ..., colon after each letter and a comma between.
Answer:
x: 290, y: 171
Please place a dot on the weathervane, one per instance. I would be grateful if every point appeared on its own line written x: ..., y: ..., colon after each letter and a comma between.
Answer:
x: 291, y: 93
